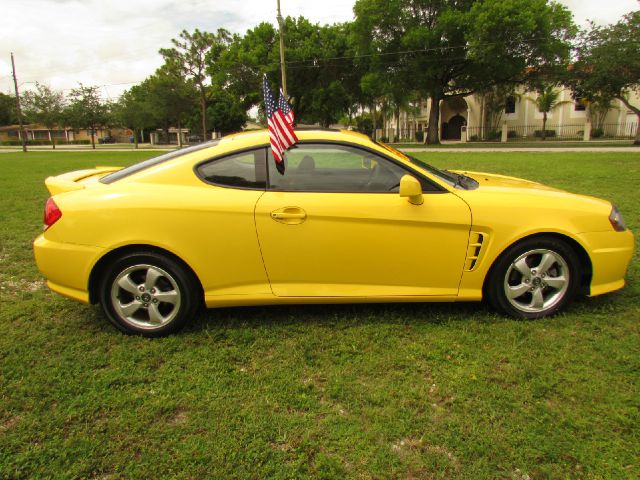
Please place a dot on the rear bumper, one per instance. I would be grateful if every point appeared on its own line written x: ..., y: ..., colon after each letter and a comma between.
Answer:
x: 66, y: 266
x: 610, y: 253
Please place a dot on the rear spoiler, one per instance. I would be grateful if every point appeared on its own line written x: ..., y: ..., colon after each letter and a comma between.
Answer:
x: 68, y: 182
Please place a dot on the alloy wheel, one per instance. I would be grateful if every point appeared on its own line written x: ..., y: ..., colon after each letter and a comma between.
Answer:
x: 145, y: 296
x: 536, y: 281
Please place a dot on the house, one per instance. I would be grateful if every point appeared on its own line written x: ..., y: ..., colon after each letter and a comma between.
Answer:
x: 170, y: 137
x: 39, y: 133
x: 461, y: 118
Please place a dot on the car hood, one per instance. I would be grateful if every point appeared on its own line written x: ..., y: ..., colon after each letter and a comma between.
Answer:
x: 492, y: 180
x: 515, y: 197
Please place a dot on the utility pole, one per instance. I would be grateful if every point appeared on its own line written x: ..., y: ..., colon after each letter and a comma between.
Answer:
x: 15, y: 83
x: 282, y: 65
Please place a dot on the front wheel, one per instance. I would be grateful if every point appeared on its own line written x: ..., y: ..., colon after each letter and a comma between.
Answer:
x: 148, y: 294
x: 535, y: 278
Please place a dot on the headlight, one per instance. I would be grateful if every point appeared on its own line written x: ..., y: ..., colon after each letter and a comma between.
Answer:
x: 617, y: 222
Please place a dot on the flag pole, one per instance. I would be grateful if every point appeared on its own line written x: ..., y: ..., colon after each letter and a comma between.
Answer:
x: 282, y: 65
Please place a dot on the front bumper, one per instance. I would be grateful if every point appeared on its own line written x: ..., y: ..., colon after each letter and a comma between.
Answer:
x: 610, y: 253
x: 66, y: 266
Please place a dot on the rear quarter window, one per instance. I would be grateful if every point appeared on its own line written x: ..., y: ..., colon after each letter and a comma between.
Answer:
x: 151, y: 162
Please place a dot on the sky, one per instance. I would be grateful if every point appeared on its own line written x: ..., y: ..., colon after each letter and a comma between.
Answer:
x: 114, y: 44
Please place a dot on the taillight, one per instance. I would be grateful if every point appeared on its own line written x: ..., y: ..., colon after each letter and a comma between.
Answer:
x: 51, y: 213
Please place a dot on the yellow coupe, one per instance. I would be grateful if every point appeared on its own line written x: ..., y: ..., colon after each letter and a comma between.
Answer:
x: 350, y: 220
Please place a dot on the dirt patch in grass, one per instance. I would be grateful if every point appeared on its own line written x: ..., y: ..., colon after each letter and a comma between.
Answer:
x: 8, y: 423
x: 17, y: 286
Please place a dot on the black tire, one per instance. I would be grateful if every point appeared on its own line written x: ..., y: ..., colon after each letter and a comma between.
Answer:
x: 149, y: 294
x: 553, y: 278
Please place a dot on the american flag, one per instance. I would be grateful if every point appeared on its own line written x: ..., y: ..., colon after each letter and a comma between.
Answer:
x: 286, y: 109
x: 281, y: 132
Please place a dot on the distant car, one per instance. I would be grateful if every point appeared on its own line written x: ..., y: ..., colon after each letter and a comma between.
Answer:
x: 194, y: 139
x: 350, y: 220
x: 107, y: 139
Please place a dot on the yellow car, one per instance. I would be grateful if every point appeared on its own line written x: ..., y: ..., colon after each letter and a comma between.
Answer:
x: 350, y: 220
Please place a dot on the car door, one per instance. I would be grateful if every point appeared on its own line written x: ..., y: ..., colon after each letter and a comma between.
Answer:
x: 226, y: 248
x: 334, y: 225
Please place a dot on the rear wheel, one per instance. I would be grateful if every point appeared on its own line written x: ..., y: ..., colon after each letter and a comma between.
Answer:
x: 535, y: 278
x: 149, y: 294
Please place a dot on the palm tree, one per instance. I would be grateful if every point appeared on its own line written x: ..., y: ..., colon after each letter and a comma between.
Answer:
x: 547, y: 101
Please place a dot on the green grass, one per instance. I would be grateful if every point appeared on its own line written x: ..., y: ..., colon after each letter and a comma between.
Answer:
x: 371, y: 391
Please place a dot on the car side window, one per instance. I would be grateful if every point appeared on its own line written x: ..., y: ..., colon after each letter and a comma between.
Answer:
x: 240, y: 170
x: 334, y: 168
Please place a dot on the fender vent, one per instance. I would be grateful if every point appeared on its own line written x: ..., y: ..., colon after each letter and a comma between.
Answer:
x: 476, y: 241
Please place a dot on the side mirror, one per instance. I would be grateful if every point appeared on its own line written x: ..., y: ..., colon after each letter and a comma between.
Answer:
x: 411, y: 188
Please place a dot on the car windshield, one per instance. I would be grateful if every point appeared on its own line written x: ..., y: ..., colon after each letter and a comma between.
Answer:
x: 137, y: 167
x: 444, y: 175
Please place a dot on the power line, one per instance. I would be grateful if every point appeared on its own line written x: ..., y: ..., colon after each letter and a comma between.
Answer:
x: 316, y: 63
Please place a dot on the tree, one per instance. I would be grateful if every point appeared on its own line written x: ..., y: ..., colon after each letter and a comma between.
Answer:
x: 318, y: 73
x: 448, y: 48
x: 608, y: 63
x: 239, y: 69
x: 226, y: 113
x: 133, y: 110
x: 45, y: 107
x: 493, y: 101
x: 8, y: 115
x: 170, y: 99
x: 189, y: 58
x: 547, y: 100
x: 598, y: 106
x: 86, y: 109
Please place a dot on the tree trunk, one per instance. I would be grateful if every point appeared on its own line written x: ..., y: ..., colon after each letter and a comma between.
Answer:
x: 483, y: 118
x: 397, y: 135
x: 203, y: 112
x: 433, y: 136
x: 93, y: 138
x: 179, y: 134
x: 53, y: 140
x: 373, y: 120
x: 635, y: 110
x: 544, y: 126
x: 135, y: 139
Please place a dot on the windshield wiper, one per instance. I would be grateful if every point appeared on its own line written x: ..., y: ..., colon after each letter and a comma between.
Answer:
x: 460, y: 179
x: 463, y: 181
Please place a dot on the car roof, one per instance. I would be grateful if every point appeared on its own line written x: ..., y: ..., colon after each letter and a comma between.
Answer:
x: 256, y: 137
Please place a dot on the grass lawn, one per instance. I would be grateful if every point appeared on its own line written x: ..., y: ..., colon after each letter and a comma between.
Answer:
x: 371, y: 391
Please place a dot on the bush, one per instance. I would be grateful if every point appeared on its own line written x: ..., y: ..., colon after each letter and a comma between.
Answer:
x: 494, y: 135
x: 384, y: 139
x: 17, y: 143
x: 474, y: 138
x: 512, y: 134
x: 419, y: 136
x: 364, y: 124
x: 548, y: 133
x: 597, y: 133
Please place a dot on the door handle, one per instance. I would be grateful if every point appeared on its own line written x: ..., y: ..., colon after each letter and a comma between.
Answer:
x: 289, y: 215
x: 285, y: 215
